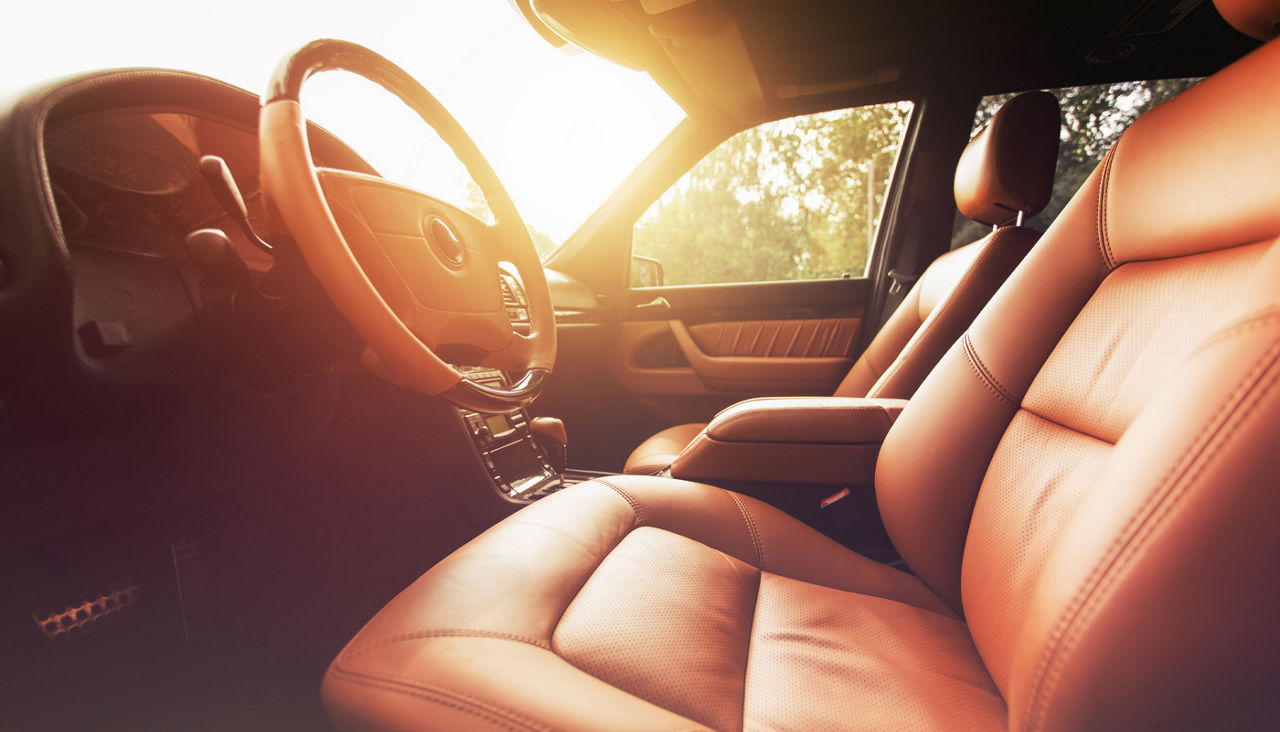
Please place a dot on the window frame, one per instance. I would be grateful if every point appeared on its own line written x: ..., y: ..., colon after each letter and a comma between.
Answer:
x: 884, y: 222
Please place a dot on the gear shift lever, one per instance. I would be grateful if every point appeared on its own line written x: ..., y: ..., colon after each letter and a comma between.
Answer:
x: 549, y: 433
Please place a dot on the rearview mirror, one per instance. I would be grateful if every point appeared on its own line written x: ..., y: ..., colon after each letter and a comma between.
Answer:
x: 646, y: 272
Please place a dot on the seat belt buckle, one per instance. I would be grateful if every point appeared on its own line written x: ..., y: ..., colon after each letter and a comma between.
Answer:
x: 898, y: 281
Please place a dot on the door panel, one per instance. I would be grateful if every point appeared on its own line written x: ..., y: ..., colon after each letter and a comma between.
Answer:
x: 763, y: 374
x: 713, y: 345
x: 813, y: 338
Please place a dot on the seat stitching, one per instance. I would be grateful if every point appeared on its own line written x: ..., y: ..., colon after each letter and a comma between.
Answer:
x: 443, y: 700
x: 1250, y: 321
x: 979, y: 368
x: 1129, y: 543
x: 751, y: 629
x: 636, y: 508
x: 751, y: 528
x: 431, y: 692
x: 442, y: 633
x: 930, y: 323
x: 1104, y: 241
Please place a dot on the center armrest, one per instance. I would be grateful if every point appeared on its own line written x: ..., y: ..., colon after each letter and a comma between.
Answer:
x: 795, y: 440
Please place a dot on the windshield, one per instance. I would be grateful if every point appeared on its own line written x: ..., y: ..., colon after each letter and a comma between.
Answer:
x: 562, y: 130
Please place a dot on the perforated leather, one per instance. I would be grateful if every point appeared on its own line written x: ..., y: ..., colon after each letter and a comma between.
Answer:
x: 937, y: 308
x: 1084, y: 489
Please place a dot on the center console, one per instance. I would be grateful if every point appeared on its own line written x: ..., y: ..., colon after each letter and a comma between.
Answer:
x: 519, y: 467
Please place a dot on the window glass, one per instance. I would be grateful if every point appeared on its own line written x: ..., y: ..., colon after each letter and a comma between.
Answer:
x: 795, y: 199
x: 1093, y: 118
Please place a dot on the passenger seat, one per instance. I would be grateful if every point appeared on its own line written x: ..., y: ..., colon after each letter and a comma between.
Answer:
x: 1004, y: 175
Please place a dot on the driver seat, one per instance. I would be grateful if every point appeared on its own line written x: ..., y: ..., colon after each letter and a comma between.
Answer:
x: 1084, y: 489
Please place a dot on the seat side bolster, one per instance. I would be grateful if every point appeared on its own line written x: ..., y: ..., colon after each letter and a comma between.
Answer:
x: 930, y: 469
x: 728, y: 521
x: 399, y: 686
x: 1140, y: 632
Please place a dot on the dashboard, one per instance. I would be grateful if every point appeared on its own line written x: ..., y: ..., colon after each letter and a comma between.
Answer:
x: 128, y: 180
x: 118, y: 154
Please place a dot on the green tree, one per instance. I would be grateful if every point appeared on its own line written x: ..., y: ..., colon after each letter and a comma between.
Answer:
x: 782, y: 201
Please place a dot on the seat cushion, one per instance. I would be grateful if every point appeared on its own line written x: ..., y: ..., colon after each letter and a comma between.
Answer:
x: 661, y: 450
x: 643, y: 602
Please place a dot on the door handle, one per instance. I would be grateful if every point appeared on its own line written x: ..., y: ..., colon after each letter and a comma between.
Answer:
x: 658, y: 305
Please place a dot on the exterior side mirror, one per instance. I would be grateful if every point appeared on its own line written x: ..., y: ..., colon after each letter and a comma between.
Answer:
x: 646, y: 272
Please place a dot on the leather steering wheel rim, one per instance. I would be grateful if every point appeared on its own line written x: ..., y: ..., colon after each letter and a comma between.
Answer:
x: 300, y: 194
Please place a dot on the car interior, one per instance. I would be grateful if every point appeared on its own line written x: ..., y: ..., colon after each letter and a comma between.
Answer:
x: 922, y: 377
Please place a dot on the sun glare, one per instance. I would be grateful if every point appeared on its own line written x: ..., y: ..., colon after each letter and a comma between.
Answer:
x: 561, y: 130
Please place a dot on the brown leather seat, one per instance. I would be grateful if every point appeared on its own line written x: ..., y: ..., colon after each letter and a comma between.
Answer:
x: 1085, y: 489
x: 1006, y: 170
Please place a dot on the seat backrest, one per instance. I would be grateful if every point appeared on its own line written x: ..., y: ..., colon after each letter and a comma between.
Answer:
x: 1091, y: 475
x: 1006, y: 169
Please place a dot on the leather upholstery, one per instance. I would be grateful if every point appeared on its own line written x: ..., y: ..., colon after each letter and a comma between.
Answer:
x: 788, y: 441
x: 1257, y: 18
x: 632, y: 603
x: 1106, y: 432
x: 806, y: 419
x: 935, y: 311
x: 811, y: 338
x: 657, y: 452
x: 1002, y: 170
x: 1084, y: 489
x: 943, y: 301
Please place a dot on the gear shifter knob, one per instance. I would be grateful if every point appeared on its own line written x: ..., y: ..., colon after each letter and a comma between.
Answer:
x: 549, y: 433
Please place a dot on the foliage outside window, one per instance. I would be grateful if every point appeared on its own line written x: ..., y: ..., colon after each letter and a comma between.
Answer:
x: 795, y: 199
x: 1093, y: 118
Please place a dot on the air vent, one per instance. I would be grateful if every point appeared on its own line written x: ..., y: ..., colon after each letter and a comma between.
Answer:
x: 76, y: 620
x: 513, y: 299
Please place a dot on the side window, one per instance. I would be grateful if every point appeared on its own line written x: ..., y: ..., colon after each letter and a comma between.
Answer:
x: 1093, y: 118
x: 795, y: 199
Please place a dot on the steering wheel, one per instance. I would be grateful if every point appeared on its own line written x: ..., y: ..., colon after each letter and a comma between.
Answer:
x: 417, y: 278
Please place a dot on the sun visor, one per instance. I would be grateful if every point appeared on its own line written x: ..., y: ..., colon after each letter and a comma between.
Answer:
x: 604, y: 28
x: 708, y: 50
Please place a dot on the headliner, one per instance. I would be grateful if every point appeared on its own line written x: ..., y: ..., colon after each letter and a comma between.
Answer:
x: 799, y: 52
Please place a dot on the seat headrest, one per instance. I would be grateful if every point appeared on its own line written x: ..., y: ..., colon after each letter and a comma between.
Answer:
x: 1257, y: 18
x: 1008, y: 166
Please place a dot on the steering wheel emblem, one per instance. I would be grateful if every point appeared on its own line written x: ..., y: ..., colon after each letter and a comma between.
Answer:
x: 448, y: 247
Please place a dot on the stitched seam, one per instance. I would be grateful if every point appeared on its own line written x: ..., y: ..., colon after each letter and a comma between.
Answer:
x: 443, y: 699
x: 989, y: 373
x: 1249, y: 322
x: 940, y: 311
x: 751, y: 528
x: 427, y: 688
x: 1122, y: 550
x: 751, y: 629
x: 442, y: 633
x: 631, y: 501
x: 1104, y: 241
x: 987, y: 385
x: 984, y: 374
